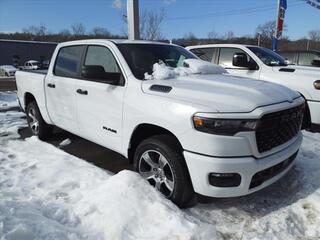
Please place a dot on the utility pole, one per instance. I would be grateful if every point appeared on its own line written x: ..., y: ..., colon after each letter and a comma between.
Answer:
x: 259, y: 39
x: 133, y: 19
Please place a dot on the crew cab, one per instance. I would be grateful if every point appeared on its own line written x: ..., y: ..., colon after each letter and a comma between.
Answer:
x: 186, y: 125
x: 263, y: 64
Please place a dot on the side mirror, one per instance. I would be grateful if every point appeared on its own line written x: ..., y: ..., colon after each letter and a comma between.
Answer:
x: 240, y: 60
x: 97, y: 73
x: 315, y: 63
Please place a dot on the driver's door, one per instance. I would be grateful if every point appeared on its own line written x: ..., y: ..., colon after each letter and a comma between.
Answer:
x: 225, y: 60
x: 99, y: 104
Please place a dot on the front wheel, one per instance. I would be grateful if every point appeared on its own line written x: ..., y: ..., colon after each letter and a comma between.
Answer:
x: 36, y: 123
x: 159, y: 160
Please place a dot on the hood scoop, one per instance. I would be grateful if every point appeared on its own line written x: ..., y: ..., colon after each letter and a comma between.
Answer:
x: 160, y: 88
x: 286, y: 70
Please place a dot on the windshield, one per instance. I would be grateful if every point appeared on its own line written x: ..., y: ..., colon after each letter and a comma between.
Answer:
x: 268, y: 57
x: 141, y: 57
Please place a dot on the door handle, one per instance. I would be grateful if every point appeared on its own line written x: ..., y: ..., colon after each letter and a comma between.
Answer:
x: 51, y: 85
x: 83, y: 92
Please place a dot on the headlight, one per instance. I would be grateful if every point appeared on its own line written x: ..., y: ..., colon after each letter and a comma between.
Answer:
x: 227, y: 127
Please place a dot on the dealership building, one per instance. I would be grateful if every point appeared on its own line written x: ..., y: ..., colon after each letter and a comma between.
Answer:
x: 16, y: 52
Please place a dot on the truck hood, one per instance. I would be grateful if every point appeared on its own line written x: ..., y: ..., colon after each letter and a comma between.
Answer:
x: 220, y: 92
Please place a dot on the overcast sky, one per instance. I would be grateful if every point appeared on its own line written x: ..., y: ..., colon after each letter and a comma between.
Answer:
x: 182, y: 16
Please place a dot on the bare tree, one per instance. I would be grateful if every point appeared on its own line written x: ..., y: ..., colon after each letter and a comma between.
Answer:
x: 150, y: 24
x: 230, y: 35
x: 212, y: 35
x: 266, y: 30
x: 314, y: 35
x: 40, y: 30
x: 100, y: 32
x: 78, y: 29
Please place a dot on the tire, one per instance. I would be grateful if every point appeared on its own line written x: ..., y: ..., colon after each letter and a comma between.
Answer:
x: 170, y: 175
x: 36, y: 123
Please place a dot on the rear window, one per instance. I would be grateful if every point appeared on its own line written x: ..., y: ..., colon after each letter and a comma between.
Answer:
x: 68, y: 61
x: 205, y: 54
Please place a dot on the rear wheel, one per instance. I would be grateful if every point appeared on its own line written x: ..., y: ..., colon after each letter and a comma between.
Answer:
x: 36, y: 123
x: 159, y: 160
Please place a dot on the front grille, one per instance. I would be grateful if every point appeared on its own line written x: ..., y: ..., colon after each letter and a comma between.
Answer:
x: 264, y: 175
x: 278, y: 128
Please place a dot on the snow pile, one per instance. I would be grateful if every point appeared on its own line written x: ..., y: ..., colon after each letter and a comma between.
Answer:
x: 46, y: 193
x: 8, y: 100
x: 190, y: 66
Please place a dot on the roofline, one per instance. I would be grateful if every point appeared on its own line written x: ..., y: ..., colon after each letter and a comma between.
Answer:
x: 221, y: 45
x: 25, y: 41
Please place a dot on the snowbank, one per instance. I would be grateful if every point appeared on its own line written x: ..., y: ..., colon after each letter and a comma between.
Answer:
x: 191, y: 66
x: 8, y: 100
x: 46, y: 193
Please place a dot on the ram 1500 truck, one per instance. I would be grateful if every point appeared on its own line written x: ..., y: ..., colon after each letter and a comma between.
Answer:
x: 211, y: 134
x: 263, y: 64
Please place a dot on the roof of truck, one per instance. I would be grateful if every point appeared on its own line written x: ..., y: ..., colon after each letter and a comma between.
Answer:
x: 220, y: 45
x: 115, y: 41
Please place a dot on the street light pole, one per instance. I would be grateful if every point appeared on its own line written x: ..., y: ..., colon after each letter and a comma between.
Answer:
x: 133, y: 19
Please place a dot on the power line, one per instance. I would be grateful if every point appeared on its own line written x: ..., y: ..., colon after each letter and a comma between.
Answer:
x: 232, y: 12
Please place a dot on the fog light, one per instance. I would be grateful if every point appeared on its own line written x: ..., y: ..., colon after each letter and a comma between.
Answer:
x: 224, y: 179
x: 316, y: 84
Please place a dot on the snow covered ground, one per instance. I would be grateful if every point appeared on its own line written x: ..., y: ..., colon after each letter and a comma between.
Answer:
x: 46, y: 193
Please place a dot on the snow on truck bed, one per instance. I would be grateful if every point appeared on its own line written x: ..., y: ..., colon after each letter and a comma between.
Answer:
x: 46, y: 193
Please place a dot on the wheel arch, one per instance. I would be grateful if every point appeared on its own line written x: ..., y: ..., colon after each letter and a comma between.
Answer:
x: 307, y: 123
x: 144, y: 131
x: 28, y: 98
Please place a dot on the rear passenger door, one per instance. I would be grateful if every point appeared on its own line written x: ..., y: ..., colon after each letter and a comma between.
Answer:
x: 61, y: 88
x: 225, y: 59
x: 100, y: 103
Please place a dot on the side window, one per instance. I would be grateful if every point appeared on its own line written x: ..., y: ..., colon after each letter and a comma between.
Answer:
x: 288, y: 56
x: 205, y: 54
x: 305, y: 59
x: 226, y: 56
x: 101, y: 56
x: 68, y: 61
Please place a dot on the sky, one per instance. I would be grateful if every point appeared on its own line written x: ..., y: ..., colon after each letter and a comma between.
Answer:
x: 182, y: 16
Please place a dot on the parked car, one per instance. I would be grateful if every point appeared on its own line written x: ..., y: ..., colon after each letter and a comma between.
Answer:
x: 212, y: 134
x: 302, y: 58
x: 263, y: 64
x: 31, y: 65
x: 7, y: 70
x: 45, y: 64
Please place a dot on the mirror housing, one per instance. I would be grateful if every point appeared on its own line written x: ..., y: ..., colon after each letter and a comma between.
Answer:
x: 97, y: 73
x: 240, y: 60
x: 315, y: 63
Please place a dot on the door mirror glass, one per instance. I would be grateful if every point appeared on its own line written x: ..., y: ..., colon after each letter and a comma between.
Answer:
x: 240, y: 60
x: 97, y: 73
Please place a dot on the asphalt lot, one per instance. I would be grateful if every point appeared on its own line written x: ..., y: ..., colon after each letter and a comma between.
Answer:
x: 7, y: 84
x: 86, y: 150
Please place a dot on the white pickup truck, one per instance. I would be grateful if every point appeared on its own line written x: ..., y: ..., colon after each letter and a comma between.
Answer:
x: 195, y: 132
x: 263, y: 64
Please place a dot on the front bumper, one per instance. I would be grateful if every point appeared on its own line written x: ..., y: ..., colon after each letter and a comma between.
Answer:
x: 314, y: 108
x: 200, y: 166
